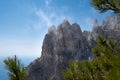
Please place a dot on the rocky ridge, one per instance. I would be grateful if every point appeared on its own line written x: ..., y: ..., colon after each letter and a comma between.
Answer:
x: 68, y: 42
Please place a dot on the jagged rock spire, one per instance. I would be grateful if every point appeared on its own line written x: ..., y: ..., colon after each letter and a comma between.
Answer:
x: 65, y: 23
x: 52, y: 28
x: 69, y: 44
x: 65, y: 20
x: 95, y: 23
x: 112, y: 23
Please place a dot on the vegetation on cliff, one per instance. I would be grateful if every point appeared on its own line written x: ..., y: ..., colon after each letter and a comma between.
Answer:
x: 105, y: 66
x: 16, y: 70
x: 105, y: 5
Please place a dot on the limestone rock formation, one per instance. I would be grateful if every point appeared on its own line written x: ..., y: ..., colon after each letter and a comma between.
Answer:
x: 68, y: 42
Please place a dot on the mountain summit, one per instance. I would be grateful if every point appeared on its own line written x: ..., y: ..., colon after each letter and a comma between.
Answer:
x: 66, y: 43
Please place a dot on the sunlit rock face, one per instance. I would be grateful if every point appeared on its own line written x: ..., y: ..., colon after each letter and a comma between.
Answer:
x: 67, y: 42
x: 110, y: 28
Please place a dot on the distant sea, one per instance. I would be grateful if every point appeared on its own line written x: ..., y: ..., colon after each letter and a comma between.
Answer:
x: 3, y: 72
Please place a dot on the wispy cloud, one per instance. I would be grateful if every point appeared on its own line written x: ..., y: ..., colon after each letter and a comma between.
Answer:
x: 44, y: 17
x: 48, y: 18
x: 47, y: 2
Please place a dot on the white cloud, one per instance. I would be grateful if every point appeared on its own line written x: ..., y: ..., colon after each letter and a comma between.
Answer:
x: 47, y: 2
x: 49, y: 15
x: 48, y: 18
x: 44, y: 17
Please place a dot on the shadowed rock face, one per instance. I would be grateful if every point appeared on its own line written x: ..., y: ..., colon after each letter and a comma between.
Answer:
x: 68, y: 42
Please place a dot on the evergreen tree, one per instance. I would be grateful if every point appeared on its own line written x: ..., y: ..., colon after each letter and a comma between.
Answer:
x: 105, y: 66
x: 16, y: 69
x: 107, y: 56
x: 104, y: 5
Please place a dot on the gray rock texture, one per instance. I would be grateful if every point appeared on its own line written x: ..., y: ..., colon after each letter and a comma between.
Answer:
x: 66, y: 43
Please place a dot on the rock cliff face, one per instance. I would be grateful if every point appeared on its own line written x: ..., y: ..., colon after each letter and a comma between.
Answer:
x: 68, y: 42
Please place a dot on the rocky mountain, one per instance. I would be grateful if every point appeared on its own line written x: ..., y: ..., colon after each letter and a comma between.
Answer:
x: 66, y: 43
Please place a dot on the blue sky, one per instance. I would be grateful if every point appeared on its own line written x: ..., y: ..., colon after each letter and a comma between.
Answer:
x: 24, y: 23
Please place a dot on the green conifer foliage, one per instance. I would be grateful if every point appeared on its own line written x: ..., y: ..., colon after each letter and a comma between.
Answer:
x: 16, y: 70
x: 105, y: 66
x: 104, y: 5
